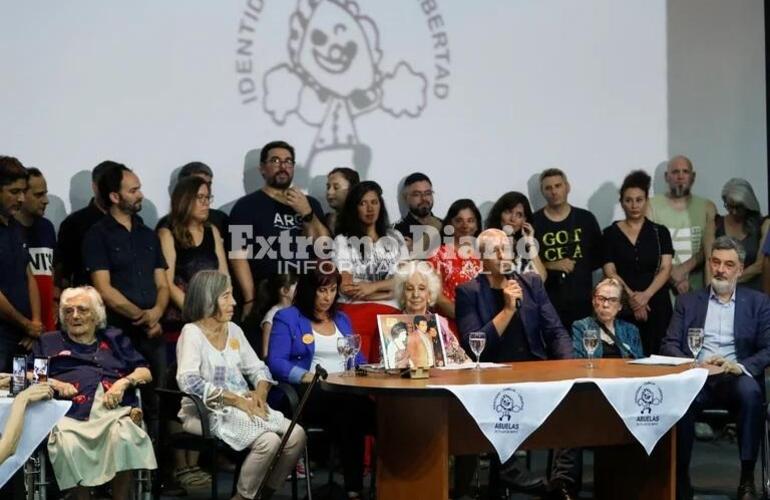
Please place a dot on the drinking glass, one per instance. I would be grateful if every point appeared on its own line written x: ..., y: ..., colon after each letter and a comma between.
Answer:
x: 590, y: 343
x: 343, y: 348
x: 354, y: 345
x: 695, y: 343
x: 477, y: 340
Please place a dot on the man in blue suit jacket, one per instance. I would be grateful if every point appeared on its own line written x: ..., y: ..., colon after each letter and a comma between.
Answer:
x: 529, y: 332
x: 736, y: 324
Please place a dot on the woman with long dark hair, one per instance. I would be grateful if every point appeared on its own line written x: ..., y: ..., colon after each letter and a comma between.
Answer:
x: 366, y: 252
x: 457, y: 262
x: 512, y: 213
x: 638, y: 253
x: 190, y: 243
x: 305, y: 335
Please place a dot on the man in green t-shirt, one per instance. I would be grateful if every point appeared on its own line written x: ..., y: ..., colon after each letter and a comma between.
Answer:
x: 689, y: 219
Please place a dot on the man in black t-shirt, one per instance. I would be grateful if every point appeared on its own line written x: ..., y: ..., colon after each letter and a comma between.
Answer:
x: 68, y: 268
x: 570, y: 248
x: 266, y: 225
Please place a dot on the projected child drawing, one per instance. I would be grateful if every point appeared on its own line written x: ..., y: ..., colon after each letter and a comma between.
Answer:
x: 333, y: 76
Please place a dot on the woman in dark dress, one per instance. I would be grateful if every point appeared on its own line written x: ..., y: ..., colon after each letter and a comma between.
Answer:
x: 190, y: 243
x: 638, y: 253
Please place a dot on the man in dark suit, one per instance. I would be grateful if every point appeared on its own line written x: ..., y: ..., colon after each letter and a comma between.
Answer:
x: 529, y: 331
x: 736, y: 325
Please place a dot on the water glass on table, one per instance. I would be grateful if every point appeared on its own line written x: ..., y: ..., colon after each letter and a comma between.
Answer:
x: 477, y: 341
x: 695, y: 343
x: 590, y: 343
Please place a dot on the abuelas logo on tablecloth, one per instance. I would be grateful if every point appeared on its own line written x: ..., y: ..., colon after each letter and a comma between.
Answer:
x: 648, y: 395
x: 507, y: 402
x: 334, y: 71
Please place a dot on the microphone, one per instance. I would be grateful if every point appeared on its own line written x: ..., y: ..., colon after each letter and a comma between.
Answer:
x: 511, y: 274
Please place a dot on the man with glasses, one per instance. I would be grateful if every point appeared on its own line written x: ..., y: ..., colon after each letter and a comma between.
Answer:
x: 267, y: 226
x: 688, y: 218
x: 735, y: 324
x: 418, y: 196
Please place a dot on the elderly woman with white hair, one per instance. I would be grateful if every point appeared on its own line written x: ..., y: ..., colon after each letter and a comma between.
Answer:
x: 619, y: 339
x: 97, y: 367
x: 417, y: 287
x: 216, y: 363
x: 743, y: 222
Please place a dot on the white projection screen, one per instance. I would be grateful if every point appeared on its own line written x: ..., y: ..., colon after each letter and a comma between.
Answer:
x: 480, y: 95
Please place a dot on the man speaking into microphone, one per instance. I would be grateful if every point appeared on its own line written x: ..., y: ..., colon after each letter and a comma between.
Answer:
x: 520, y: 324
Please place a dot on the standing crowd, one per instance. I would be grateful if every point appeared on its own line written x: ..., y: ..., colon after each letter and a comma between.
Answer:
x: 227, y: 305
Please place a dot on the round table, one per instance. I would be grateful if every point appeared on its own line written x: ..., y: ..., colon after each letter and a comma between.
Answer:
x: 418, y: 427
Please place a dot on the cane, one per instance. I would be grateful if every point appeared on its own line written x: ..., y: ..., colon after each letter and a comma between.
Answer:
x: 320, y: 373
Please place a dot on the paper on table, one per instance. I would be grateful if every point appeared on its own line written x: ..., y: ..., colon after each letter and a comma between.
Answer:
x: 471, y: 364
x: 661, y: 360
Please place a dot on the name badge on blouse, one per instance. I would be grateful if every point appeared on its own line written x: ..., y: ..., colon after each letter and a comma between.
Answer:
x: 308, y: 339
x: 235, y: 345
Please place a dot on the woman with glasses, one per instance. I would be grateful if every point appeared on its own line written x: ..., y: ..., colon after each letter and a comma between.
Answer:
x: 638, y: 253
x: 619, y: 339
x: 743, y: 222
x: 189, y: 244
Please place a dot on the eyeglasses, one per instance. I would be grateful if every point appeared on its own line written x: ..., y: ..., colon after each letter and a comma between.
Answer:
x: 607, y: 300
x: 205, y: 198
x: 81, y: 310
x: 277, y: 162
x: 421, y: 194
x: 732, y: 206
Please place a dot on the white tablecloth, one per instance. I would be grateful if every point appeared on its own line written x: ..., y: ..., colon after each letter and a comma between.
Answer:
x: 508, y: 413
x: 39, y: 419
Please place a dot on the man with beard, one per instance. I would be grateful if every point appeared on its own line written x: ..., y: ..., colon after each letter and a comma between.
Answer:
x: 736, y: 325
x: 126, y: 266
x: 265, y: 225
x: 40, y: 238
x: 688, y: 218
x: 20, y: 321
x: 418, y: 196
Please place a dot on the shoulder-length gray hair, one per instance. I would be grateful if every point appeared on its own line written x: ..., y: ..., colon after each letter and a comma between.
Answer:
x: 97, y: 305
x: 200, y: 300
x: 409, y: 268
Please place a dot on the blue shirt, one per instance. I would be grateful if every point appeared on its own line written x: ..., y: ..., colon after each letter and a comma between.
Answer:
x: 14, y: 259
x: 131, y: 257
x: 718, y: 331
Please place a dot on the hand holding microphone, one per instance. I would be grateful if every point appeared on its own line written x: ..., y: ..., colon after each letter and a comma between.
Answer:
x: 512, y: 291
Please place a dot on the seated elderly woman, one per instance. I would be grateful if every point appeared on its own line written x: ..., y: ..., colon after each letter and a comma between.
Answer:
x: 304, y: 336
x: 99, y: 439
x: 417, y: 288
x: 215, y: 362
x: 619, y: 339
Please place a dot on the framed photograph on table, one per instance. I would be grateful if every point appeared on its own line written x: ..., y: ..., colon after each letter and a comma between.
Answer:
x: 411, y: 341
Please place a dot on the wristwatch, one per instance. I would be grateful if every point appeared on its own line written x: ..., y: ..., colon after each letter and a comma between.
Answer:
x: 306, y: 218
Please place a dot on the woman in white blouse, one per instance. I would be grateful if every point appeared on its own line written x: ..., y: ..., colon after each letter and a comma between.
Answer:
x: 215, y: 363
x: 367, y: 253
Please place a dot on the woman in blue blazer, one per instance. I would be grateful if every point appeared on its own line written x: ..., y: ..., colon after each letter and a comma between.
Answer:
x: 305, y: 335
x: 623, y: 341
